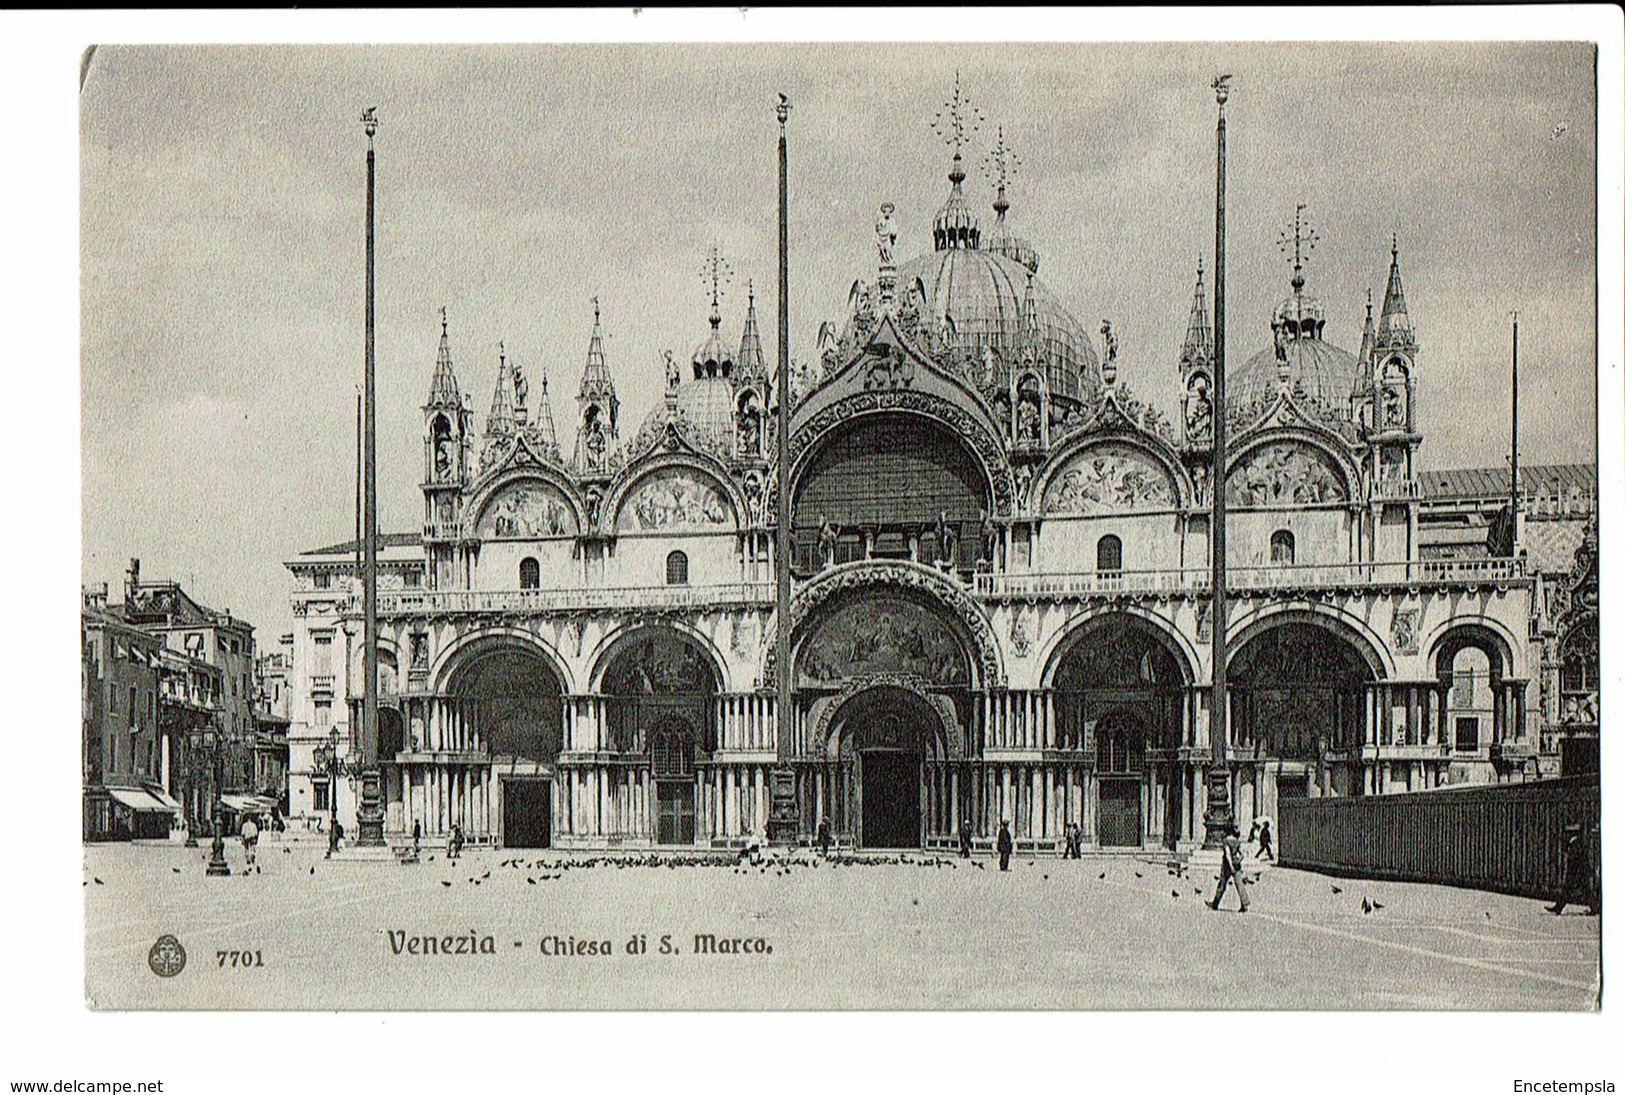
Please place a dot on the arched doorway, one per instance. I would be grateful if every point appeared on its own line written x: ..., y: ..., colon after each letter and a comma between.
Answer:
x: 886, y: 737
x: 1482, y: 707
x: 886, y: 676
x: 1298, y: 694
x: 507, y: 716
x: 1120, y: 687
x: 660, y: 691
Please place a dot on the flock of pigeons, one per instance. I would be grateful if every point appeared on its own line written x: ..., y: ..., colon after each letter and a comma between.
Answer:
x: 542, y: 870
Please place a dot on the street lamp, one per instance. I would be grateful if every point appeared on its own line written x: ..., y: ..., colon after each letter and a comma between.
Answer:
x: 217, y: 847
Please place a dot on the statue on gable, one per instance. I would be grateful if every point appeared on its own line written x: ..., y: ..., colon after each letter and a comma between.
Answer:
x: 521, y: 386
x: 1108, y: 362
x: 673, y: 377
x: 886, y: 233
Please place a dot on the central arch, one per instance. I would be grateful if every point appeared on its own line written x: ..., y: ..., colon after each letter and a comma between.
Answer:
x: 885, y: 738
x: 890, y: 485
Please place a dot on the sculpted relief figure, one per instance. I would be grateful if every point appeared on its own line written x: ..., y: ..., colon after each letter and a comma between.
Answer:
x: 674, y: 501
x: 1105, y: 480
x: 1028, y: 417
x: 1284, y: 474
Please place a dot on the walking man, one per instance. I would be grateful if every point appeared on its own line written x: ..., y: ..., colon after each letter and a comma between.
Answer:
x: 1006, y: 845
x: 823, y: 837
x: 964, y: 840
x: 1266, y: 846
x: 1230, y: 870
x: 417, y: 836
x: 1577, y: 888
x: 251, y: 839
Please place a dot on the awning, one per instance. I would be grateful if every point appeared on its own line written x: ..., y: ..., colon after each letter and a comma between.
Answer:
x: 164, y: 799
x: 248, y: 804
x: 138, y: 800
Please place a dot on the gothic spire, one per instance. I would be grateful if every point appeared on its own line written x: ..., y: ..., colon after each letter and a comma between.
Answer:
x: 752, y: 365
x: 595, y: 379
x: 443, y: 388
x: 500, y: 422
x: 1394, y: 328
x: 1198, y: 349
x: 542, y: 423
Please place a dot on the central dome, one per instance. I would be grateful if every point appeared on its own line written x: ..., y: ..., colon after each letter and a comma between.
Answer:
x: 980, y: 293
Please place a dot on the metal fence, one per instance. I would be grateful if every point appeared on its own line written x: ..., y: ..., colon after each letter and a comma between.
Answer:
x: 1507, y: 837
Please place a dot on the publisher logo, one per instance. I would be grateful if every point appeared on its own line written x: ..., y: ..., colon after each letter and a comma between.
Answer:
x: 167, y: 957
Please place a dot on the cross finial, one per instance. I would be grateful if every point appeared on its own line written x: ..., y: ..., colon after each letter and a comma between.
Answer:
x: 442, y: 319
x: 1301, y: 240
x: 958, y: 119
x: 718, y: 273
x: 595, y: 309
x: 1001, y: 164
x: 502, y: 351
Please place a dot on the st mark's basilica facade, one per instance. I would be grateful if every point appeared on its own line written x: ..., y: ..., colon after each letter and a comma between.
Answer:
x: 1000, y: 605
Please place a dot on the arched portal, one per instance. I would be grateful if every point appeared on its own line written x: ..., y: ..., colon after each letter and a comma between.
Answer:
x: 890, y: 486
x: 660, y: 692
x: 1119, y: 686
x: 1480, y: 705
x: 887, y: 740
x: 504, y: 710
x: 1298, y: 692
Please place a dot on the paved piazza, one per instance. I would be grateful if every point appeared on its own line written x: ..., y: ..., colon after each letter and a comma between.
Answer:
x: 921, y: 933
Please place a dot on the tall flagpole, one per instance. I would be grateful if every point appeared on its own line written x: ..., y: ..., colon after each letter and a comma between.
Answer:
x: 1219, y: 816
x: 370, y: 822
x: 783, y: 811
x: 1512, y: 533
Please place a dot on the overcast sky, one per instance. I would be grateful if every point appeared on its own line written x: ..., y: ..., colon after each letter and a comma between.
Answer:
x: 222, y: 214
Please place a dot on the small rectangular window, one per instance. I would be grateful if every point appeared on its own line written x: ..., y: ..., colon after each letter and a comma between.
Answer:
x: 1467, y: 735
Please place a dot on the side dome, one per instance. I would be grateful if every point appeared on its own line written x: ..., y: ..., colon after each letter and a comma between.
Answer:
x: 977, y: 297
x: 703, y: 411
x: 1323, y: 372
